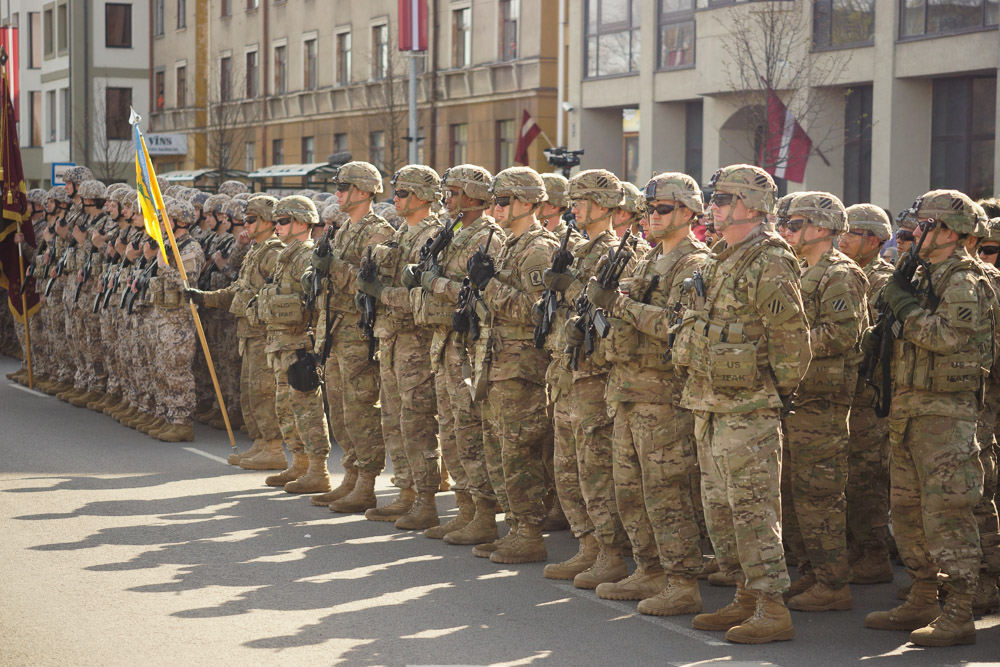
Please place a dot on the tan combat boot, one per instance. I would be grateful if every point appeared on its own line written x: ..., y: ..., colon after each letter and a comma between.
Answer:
x: 921, y: 607
x: 83, y: 399
x: 722, y: 579
x: 527, y: 546
x: 709, y: 567
x: 215, y: 414
x: 555, y: 520
x: 151, y: 425
x: 821, y: 597
x: 873, y: 567
x: 361, y: 497
x: 481, y: 530
x: 423, y: 513
x: 740, y: 609
x: 466, y: 513
x: 397, y: 508
x: 316, y: 479
x: 300, y: 464
x: 954, y: 626
x: 486, y: 549
x: 175, y: 433
x: 770, y: 622
x: 642, y: 584
x: 800, y: 585
x: 609, y: 566
x: 271, y: 458
x: 346, y: 486
x: 201, y: 414
x: 985, y: 600
x: 128, y: 414
x: 67, y: 394
x: 106, y: 401
x: 681, y: 596
x: 585, y: 557
x: 235, y: 458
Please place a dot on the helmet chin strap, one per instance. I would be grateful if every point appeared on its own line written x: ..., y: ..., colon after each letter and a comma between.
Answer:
x: 672, y: 227
x: 511, y: 218
x: 590, y: 222
x: 408, y: 210
x: 348, y: 205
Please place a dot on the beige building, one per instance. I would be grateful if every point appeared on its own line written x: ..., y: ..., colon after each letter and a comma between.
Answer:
x: 898, y: 96
x: 255, y: 83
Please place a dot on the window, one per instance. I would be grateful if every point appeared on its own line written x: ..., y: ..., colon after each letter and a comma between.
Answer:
x: 308, y: 150
x: 343, y: 58
x: 277, y: 151
x: 62, y: 29
x: 49, y: 30
x: 843, y: 23
x: 376, y: 149
x: 508, y: 29
x: 928, y: 17
x: 963, y: 134
x: 252, y: 4
x: 857, y: 145
x: 118, y: 101
x: 181, y: 86
x: 226, y: 8
x: 676, y: 34
x: 50, y: 103
x: 250, y: 156
x: 458, y: 144
x: 181, y: 14
x: 340, y: 142
x: 693, y: 124
x: 380, y: 52
x: 64, y: 129
x: 612, y: 45
x: 158, y: 11
x: 461, y: 37
x: 309, y: 64
x: 280, y: 69
x: 35, y: 138
x: 158, y: 86
x: 225, y: 79
x: 34, y: 40
x: 505, y: 144
x: 252, y: 74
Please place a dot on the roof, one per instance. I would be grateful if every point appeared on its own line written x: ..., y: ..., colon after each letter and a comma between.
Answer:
x: 195, y: 174
x: 294, y: 170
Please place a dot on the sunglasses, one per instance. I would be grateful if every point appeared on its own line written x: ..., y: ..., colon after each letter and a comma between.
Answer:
x: 663, y: 209
x: 926, y: 225
x: 502, y: 202
x: 791, y: 225
x: 282, y: 221
x: 401, y: 194
x: 451, y: 194
x: 722, y: 198
x: 858, y: 232
x: 250, y: 219
x: 988, y: 250
x: 343, y: 187
x: 904, y: 236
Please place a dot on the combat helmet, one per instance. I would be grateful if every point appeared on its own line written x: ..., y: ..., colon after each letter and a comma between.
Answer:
x: 78, y: 175
x: 121, y: 195
x: 198, y: 200
x: 298, y: 208
x: 235, y: 209
x: 869, y: 218
x: 678, y: 187
x: 232, y: 188
x: 332, y: 214
x: 992, y: 229
x: 174, y: 191
x: 598, y: 185
x: 214, y: 203
x: 58, y: 194
x: 261, y: 206
x: 92, y: 190
x: 181, y: 213
x: 632, y: 199
x: 471, y: 179
x: 363, y: 175
x: 523, y: 183
x: 819, y: 208
x: 418, y: 179
x: 751, y: 184
x: 37, y: 196
x: 556, y: 189
x: 953, y: 209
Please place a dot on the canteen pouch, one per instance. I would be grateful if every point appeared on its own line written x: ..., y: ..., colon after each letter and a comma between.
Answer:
x: 303, y: 374
x: 826, y: 375
x: 733, y: 365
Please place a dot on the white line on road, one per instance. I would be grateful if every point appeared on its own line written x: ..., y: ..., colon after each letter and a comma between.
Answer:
x: 206, y: 455
x: 655, y: 620
x: 29, y: 391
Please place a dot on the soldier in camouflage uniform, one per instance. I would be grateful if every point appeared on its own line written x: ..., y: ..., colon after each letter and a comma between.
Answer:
x: 49, y: 318
x: 744, y: 341
x: 407, y: 394
x: 938, y: 378
x: 515, y: 421
x: 906, y: 224
x: 814, y: 476
x: 35, y: 216
x: 630, y: 214
x: 352, y: 379
x: 213, y: 223
x: 868, y: 435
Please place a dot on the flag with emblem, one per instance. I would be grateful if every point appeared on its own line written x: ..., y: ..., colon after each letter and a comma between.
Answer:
x: 150, y: 199
x: 785, y: 152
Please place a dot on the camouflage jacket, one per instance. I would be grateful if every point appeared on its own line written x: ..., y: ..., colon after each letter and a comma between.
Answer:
x: 168, y: 279
x: 257, y: 267
x: 293, y: 332
x: 878, y: 271
x: 396, y: 313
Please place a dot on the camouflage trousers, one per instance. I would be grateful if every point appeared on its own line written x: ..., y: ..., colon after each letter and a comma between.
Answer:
x: 516, y: 426
x: 62, y: 349
x: 985, y: 510
x: 352, y: 390
x: 654, y: 467
x: 175, y: 340
x: 740, y: 458
x: 408, y: 404
x: 111, y: 337
x: 936, y: 480
x: 228, y: 365
x: 257, y: 400
x: 301, y: 416
x: 41, y: 348
x: 867, y: 481
x: 566, y: 468
x: 813, y: 489
x: 461, y: 426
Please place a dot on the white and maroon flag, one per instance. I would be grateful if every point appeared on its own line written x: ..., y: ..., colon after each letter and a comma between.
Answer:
x: 412, y: 25
x: 786, y: 151
x: 8, y: 38
x: 529, y: 130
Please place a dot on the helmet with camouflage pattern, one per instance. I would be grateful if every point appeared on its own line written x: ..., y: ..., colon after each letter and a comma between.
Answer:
x: 181, y: 213
x: 232, y: 188
x: 869, y: 218
x: 363, y: 175
x: 59, y: 194
x: 114, y: 187
x: 471, y: 179
x: 632, y: 199
x: 174, y: 191
x: 235, y: 209
x: 332, y: 213
x: 992, y: 229
x: 751, y: 184
x: 952, y: 208
x: 820, y: 208
x: 387, y: 211
x: 198, y: 200
x: 598, y: 185
x: 678, y: 187
x: 215, y: 203
x: 132, y: 199
x: 121, y: 195
x: 523, y: 183
x: 419, y: 179
x: 556, y: 187
x: 92, y: 190
x: 261, y: 206
x: 36, y: 196
x: 320, y: 197
x: 243, y: 196
x: 297, y: 207
x: 78, y: 175
x: 306, y: 192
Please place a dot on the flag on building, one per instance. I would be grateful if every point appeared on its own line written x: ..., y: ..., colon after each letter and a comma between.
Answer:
x: 412, y: 25
x: 529, y: 130
x: 150, y: 199
x: 787, y: 148
x: 8, y: 38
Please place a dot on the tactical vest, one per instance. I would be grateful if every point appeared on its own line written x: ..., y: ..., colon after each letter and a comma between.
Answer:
x: 279, y: 303
x: 390, y: 258
x: 251, y: 280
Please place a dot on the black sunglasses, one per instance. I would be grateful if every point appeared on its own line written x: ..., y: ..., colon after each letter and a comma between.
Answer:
x: 503, y: 201
x: 790, y: 225
x: 904, y: 235
x: 401, y: 194
x: 343, y: 187
x: 282, y: 221
x: 663, y: 209
x: 988, y: 250
x: 722, y: 198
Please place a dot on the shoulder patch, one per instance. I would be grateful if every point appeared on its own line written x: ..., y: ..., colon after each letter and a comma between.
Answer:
x: 535, y: 277
x: 963, y: 314
x: 838, y: 305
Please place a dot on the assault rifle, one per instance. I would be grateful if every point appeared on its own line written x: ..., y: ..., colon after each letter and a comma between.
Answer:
x: 433, y: 247
x: 367, y: 321
x: 550, y: 298
x: 225, y: 249
x: 322, y: 250
x: 85, y: 274
x: 140, y: 286
x: 61, y: 264
x: 465, y: 319
x: 696, y: 283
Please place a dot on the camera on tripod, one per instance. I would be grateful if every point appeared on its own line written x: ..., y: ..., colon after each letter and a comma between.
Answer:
x: 563, y: 158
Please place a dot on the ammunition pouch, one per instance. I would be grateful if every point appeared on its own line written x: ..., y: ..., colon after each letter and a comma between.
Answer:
x: 622, y: 343
x: 826, y: 375
x: 279, y: 309
x: 304, y: 373
x: 154, y: 292
x: 733, y: 365
x: 171, y: 297
x: 241, y: 298
x: 429, y: 310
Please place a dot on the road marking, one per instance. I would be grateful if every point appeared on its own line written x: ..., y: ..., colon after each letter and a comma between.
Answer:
x: 29, y: 391
x: 206, y: 455
x: 663, y: 622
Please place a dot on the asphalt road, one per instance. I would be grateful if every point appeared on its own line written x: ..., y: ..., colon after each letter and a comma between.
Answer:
x: 122, y: 550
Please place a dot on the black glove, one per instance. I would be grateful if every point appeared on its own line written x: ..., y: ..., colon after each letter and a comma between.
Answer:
x: 481, y: 269
x: 538, y: 312
x: 460, y: 321
x: 371, y: 287
x: 900, y: 298
x: 871, y: 341
x: 602, y: 297
x: 321, y: 261
x: 574, y: 336
x: 411, y: 276
x: 557, y: 282
x: 196, y: 296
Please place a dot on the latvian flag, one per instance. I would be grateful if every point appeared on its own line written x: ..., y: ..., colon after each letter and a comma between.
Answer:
x: 787, y: 149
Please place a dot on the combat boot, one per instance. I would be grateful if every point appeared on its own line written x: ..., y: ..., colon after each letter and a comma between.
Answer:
x: 873, y: 567
x: 423, y: 513
x: 708, y: 568
x: 235, y: 458
x: 722, y: 579
x: 770, y: 622
x: 681, y: 596
x: 527, y: 546
x: 954, y: 626
x: 202, y: 414
x: 110, y: 401
x: 175, y: 433
x: 555, y: 520
x: 134, y: 417
x: 66, y: 394
x: 151, y: 425
x: 315, y: 480
x: 486, y: 549
x: 642, y: 584
x: 466, y: 512
x: 61, y: 387
x: 272, y: 457
x: 300, y: 464
x: 127, y: 414
x: 361, y: 497
x: 116, y: 411
x: 584, y: 559
x: 481, y: 530
x: 397, y: 508
x: 742, y: 607
x: 921, y: 607
x: 800, y: 585
x: 219, y: 421
x: 81, y: 400
x: 821, y: 597
x: 101, y: 399
x: 984, y: 600
x: 215, y: 414
x: 346, y: 486
x: 609, y: 567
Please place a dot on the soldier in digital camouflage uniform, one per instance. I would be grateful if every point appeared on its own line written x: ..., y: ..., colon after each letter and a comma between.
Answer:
x: 516, y: 424
x: 654, y: 449
x: 49, y: 318
x: 745, y: 346
x: 868, y: 438
x: 352, y: 379
x: 64, y: 284
x: 938, y: 374
x: 213, y: 224
x: 815, y: 453
x: 407, y: 395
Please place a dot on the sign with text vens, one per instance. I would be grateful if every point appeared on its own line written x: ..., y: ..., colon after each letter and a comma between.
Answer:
x: 167, y: 144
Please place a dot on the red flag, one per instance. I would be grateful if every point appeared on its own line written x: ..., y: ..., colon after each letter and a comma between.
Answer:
x: 786, y: 151
x: 412, y: 25
x: 529, y: 130
x: 8, y: 38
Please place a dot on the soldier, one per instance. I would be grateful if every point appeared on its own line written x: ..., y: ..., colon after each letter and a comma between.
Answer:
x: 906, y: 225
x: 868, y: 435
x: 631, y: 213
x: 745, y: 343
x: 36, y: 218
x: 407, y: 394
x: 945, y: 341
x: 515, y: 422
x: 556, y: 204
x: 213, y: 224
x: 352, y: 377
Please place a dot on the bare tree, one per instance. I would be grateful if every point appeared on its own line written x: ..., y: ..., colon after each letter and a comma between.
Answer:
x: 231, y: 119
x: 106, y: 146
